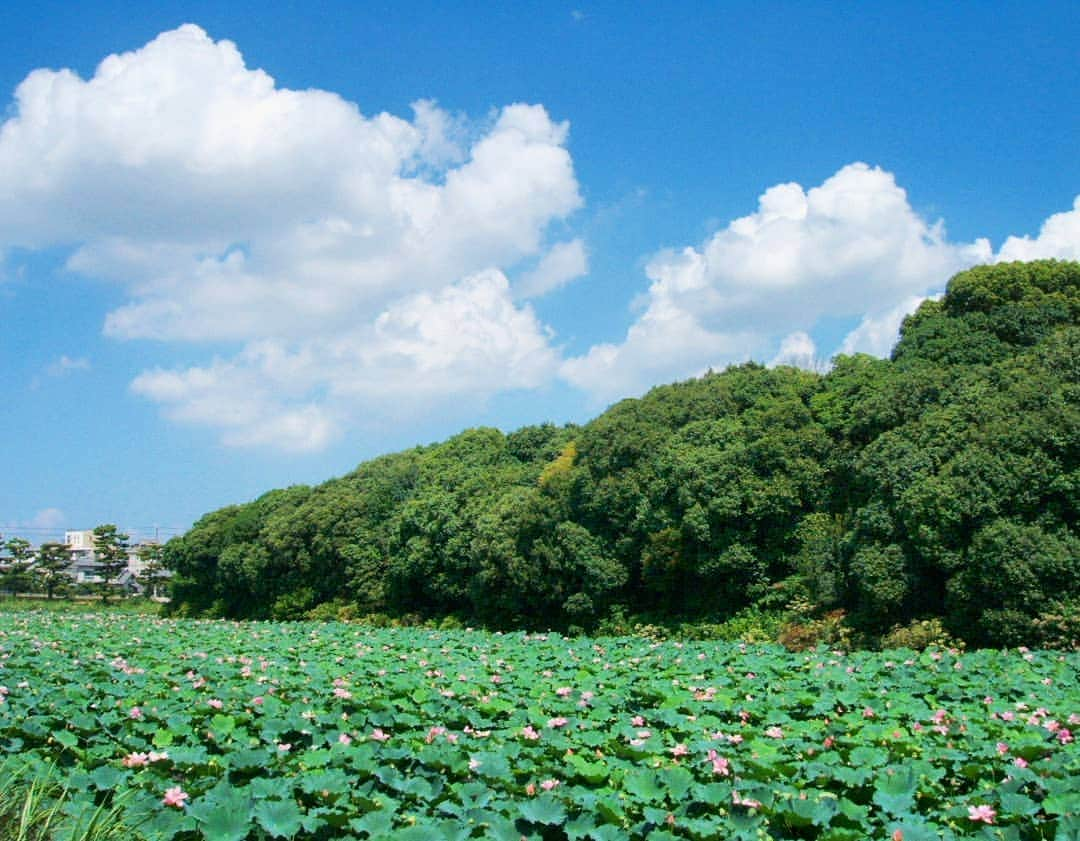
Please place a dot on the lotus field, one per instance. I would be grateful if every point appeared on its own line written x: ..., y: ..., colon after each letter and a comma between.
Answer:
x: 198, y: 729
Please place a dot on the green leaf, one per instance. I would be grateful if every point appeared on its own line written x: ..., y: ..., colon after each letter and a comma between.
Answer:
x: 492, y: 765
x: 281, y: 818
x: 163, y: 739
x: 222, y: 725
x: 592, y: 772
x: 895, y: 791
x: 375, y: 824
x: 223, y: 813
x: 544, y: 809
x: 1065, y: 803
x: 247, y: 759
x: 65, y: 738
x: 271, y: 788
x: 676, y: 781
x: 867, y: 757
x: 579, y: 827
x: 105, y: 777
x: 644, y: 785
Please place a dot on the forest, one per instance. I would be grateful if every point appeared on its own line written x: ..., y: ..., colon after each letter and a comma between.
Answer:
x: 938, y: 489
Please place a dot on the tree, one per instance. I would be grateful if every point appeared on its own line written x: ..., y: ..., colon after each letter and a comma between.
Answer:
x: 152, y: 568
x: 20, y: 556
x: 110, y: 552
x: 53, y: 562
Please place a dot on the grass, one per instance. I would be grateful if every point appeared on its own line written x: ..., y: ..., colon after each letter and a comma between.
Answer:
x: 33, y: 808
x: 140, y: 606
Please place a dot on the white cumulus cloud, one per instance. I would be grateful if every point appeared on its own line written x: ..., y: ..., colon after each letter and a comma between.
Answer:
x: 1059, y: 237
x: 850, y: 246
x: 564, y: 262
x: 798, y: 350
x: 468, y: 340
x: 317, y: 240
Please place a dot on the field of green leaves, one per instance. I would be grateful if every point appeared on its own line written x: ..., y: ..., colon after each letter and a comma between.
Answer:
x: 231, y: 731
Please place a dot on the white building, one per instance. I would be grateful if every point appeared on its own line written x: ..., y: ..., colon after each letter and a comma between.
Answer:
x: 85, y: 568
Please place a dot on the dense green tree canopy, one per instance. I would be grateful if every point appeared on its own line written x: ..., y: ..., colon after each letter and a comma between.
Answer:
x: 943, y: 482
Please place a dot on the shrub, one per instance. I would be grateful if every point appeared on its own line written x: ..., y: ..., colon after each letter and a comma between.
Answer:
x: 920, y: 634
x: 831, y: 630
x: 1059, y: 627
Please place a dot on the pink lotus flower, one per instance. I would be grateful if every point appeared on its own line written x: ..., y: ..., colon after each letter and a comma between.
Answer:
x: 530, y: 789
x: 563, y: 691
x: 548, y: 785
x: 155, y: 756
x: 136, y: 760
x: 720, y: 765
x: 557, y: 722
x: 175, y: 796
x: 215, y: 703
x: 638, y: 721
x: 1020, y: 762
x: 680, y: 750
x: 1064, y: 736
x: 984, y: 814
x: 774, y: 733
x: 135, y: 713
x: 529, y: 732
x: 345, y: 739
x: 379, y: 735
x: 748, y: 802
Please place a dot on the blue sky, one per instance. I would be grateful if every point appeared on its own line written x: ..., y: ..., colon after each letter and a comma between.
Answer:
x: 244, y: 246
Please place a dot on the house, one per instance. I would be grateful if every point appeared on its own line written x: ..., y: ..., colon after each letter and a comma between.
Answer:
x: 85, y: 569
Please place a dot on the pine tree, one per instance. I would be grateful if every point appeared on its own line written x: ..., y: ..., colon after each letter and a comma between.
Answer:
x: 152, y: 568
x: 111, y: 553
x: 52, y: 567
x: 20, y: 556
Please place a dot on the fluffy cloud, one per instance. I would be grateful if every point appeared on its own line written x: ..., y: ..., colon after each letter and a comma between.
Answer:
x: 1059, y: 237
x: 468, y: 339
x: 564, y: 262
x: 316, y: 239
x: 877, y: 332
x: 798, y: 350
x: 849, y: 246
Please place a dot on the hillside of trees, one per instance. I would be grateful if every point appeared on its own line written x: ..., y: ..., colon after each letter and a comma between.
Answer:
x: 942, y: 483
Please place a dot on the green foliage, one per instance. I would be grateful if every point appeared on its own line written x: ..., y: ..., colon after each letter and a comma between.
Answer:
x: 110, y: 552
x: 830, y: 630
x: 943, y: 483
x: 51, y: 569
x: 151, y: 575
x: 184, y: 730
x: 36, y: 805
x: 16, y: 574
x: 919, y: 635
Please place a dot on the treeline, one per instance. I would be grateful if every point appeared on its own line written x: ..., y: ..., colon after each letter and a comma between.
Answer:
x: 941, y: 484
